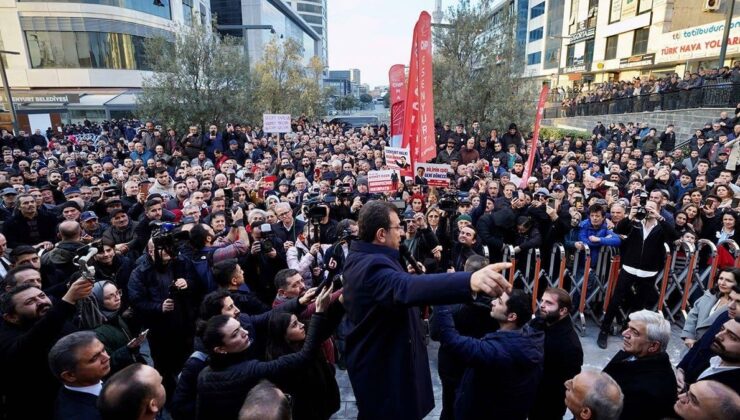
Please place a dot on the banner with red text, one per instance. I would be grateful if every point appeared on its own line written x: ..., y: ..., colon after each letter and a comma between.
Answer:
x: 382, y: 181
x: 418, y: 126
x: 535, y: 135
x: 434, y: 173
x: 397, y: 94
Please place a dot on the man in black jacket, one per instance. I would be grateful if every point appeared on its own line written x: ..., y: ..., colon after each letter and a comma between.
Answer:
x: 643, y: 370
x: 563, y: 354
x: 30, y: 326
x: 28, y: 226
x: 80, y: 362
x: 643, y: 254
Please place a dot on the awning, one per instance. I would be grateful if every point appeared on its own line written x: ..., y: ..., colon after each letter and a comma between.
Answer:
x: 91, y: 102
x: 124, y: 101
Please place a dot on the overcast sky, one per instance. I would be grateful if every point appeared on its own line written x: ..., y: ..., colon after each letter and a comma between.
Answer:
x: 373, y: 35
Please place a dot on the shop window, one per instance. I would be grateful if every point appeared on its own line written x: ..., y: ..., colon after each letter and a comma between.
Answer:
x: 640, y: 42
x: 611, y: 47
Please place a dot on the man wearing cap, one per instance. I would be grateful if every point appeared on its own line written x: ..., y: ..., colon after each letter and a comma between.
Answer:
x: 70, y: 210
x: 91, y: 227
x: 121, y: 232
x: 7, y: 205
x: 513, y: 136
x: 446, y: 155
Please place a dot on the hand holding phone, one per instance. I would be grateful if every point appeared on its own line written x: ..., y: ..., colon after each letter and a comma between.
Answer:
x: 136, y: 342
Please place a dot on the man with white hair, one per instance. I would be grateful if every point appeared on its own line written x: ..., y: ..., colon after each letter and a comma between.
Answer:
x: 593, y: 395
x: 642, y: 368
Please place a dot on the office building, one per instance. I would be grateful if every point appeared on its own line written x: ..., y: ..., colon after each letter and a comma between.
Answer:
x: 286, y: 23
x: 314, y: 13
x: 83, y: 58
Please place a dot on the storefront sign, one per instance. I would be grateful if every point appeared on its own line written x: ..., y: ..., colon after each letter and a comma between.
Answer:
x: 637, y: 61
x: 45, y: 98
x: 582, y: 35
x: 698, y: 42
x: 578, y: 66
x: 616, y: 12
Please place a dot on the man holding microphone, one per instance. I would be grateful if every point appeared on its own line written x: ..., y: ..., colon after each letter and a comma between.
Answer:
x: 386, y: 357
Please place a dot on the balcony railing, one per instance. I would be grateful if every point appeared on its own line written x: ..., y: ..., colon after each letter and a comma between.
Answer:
x: 717, y: 95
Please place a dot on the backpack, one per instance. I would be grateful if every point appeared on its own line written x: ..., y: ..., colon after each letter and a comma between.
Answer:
x: 203, y: 263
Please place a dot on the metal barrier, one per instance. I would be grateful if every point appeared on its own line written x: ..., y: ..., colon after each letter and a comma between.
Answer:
x: 611, y: 281
x: 510, y: 256
x: 673, y: 279
x: 702, y: 276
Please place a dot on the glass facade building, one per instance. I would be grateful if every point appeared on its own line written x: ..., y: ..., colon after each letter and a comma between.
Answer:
x: 89, y: 50
x: 145, y: 6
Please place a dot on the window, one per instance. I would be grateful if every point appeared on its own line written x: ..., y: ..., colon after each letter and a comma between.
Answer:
x: 187, y: 12
x: 534, y: 58
x: 588, y: 53
x: 570, y: 56
x: 313, y: 19
x: 535, y: 34
x: 145, y: 6
x: 310, y: 8
x: 611, y: 47
x: 203, y: 15
x: 538, y: 10
x: 640, y: 43
x: 53, y: 49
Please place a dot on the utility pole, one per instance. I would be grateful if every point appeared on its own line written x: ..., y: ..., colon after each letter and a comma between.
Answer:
x: 6, y: 87
x: 726, y: 33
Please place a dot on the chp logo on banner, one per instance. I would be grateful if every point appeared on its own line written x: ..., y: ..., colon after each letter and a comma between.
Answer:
x: 382, y: 181
x: 398, y: 158
x: 434, y: 173
x: 276, y: 123
x: 418, y: 123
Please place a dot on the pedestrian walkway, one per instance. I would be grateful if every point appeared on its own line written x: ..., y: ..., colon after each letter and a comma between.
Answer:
x: 593, y: 356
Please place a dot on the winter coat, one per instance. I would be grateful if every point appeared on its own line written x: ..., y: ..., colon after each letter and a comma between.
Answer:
x: 225, y: 383
x: 57, y: 264
x: 75, y: 405
x: 386, y: 357
x: 697, y: 358
x: 608, y: 238
x: 503, y: 370
x: 699, y: 320
x: 563, y: 361
x: 648, y: 384
x: 645, y: 254
x: 24, y: 354
x: 16, y: 229
x: 115, y: 335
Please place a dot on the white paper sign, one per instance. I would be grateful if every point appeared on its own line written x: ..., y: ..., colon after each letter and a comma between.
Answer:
x: 276, y: 123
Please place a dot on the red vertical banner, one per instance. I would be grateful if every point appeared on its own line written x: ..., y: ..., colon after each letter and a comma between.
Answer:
x: 418, y: 127
x: 535, y: 136
x: 397, y: 77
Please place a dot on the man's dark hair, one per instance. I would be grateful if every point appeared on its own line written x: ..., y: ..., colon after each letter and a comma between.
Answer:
x: 212, y: 336
x: 63, y: 355
x: 282, y: 276
x: 123, y: 395
x: 521, y: 304
x: 160, y: 170
x: 223, y: 271
x: 561, y: 297
x: 373, y: 216
x: 475, y: 262
x: 264, y: 403
x: 213, y: 303
x: 6, y: 299
x: 10, y: 280
x: 596, y: 208
x: 199, y: 236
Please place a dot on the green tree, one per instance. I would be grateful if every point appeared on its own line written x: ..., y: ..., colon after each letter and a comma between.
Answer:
x: 284, y: 85
x: 366, y: 98
x: 387, y: 100
x: 198, y: 78
x: 345, y: 103
x: 477, y: 69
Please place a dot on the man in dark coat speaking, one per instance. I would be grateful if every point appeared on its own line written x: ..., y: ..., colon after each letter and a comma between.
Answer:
x: 386, y: 357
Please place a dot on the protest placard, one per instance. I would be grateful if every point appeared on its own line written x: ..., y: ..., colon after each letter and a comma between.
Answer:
x: 398, y: 158
x: 382, y: 181
x: 434, y: 173
x: 276, y: 123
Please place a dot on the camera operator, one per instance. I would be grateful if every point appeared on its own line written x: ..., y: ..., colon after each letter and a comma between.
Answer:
x: 644, y: 232
x: 307, y: 256
x: 343, y: 207
x: 422, y: 243
x: 266, y: 258
x: 160, y: 296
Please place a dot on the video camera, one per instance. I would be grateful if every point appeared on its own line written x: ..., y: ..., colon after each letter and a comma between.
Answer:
x: 166, y: 236
x: 315, y: 209
x: 343, y: 191
x: 266, y: 243
x: 641, y: 210
x: 449, y: 202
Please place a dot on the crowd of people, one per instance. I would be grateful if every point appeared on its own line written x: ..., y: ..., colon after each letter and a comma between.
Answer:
x: 149, y: 274
x: 671, y: 91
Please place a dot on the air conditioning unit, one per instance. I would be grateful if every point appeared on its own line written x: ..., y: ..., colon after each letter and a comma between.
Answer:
x: 711, y: 5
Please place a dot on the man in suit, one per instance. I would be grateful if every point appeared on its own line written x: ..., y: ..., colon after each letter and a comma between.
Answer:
x: 643, y: 370
x: 80, y: 362
x: 387, y: 360
x: 725, y: 366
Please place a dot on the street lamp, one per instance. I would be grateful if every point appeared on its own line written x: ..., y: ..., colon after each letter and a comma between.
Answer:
x: 244, y: 29
x: 6, y: 86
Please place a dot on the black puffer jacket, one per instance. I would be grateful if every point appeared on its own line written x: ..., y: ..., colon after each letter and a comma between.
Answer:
x: 225, y: 383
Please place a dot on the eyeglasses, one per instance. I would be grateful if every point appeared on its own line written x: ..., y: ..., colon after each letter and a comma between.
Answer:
x: 113, y: 295
x: 282, y: 214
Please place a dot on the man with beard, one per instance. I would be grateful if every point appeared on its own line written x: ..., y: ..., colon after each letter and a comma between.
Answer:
x: 725, y: 366
x: 161, y: 300
x: 28, y: 226
x: 30, y: 327
x: 563, y: 354
x: 121, y: 232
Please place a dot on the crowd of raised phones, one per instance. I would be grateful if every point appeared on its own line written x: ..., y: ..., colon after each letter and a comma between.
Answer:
x: 149, y: 273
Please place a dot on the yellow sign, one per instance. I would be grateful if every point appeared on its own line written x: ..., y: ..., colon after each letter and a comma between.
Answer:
x: 629, y: 8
